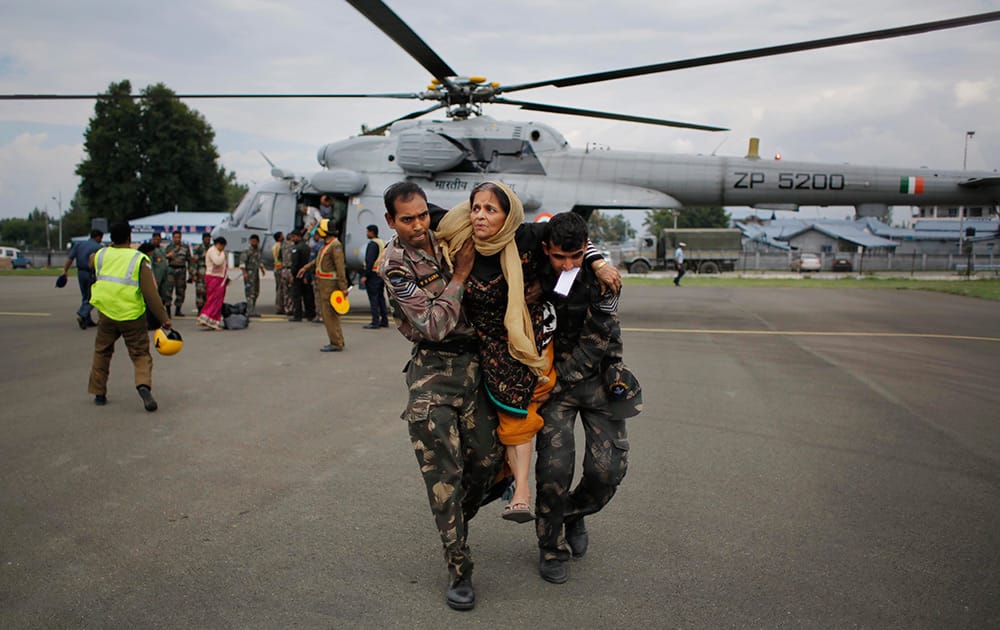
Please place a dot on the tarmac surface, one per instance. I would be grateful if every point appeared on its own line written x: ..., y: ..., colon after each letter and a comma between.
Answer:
x: 806, y: 458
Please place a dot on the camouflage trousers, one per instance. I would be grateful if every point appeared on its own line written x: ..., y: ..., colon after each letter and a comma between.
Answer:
x: 281, y: 298
x: 604, y: 463
x: 453, y: 431
x: 251, y: 287
x: 199, y: 288
x: 174, y: 284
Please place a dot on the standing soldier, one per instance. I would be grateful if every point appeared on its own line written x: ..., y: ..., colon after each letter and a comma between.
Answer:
x: 158, y: 260
x: 196, y: 270
x: 253, y: 269
x: 178, y: 257
x: 330, y: 275
x: 452, y: 425
x: 280, y: 284
x: 287, y: 251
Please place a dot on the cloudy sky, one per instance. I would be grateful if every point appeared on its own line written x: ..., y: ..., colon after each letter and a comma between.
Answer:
x: 904, y: 102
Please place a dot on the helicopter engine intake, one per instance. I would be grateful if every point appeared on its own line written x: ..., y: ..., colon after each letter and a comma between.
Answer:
x: 421, y: 152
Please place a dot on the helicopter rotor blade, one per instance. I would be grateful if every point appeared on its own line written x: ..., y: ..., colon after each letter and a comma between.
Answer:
x: 81, y: 97
x: 767, y: 51
x: 400, y: 32
x: 590, y: 113
x: 381, y: 129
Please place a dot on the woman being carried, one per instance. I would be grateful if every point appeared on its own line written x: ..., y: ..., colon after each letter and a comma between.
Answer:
x: 515, y: 349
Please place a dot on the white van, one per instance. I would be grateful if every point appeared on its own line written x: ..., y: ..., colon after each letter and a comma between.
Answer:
x: 10, y: 257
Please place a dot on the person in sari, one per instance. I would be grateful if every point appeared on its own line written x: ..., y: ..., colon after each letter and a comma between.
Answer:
x: 216, y: 280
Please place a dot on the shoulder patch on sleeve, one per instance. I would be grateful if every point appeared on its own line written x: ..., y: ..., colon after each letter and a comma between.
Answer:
x: 400, y: 283
x: 608, y: 303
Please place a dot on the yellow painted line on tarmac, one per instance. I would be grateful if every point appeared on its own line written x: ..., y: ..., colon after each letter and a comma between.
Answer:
x: 16, y: 314
x: 282, y: 318
x: 808, y: 333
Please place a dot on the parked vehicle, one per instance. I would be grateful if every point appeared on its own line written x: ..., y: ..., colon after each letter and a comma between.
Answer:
x: 708, y: 250
x: 15, y: 257
x: 842, y: 262
x: 806, y: 262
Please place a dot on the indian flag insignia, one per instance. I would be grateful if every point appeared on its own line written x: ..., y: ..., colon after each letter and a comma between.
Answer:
x: 911, y: 185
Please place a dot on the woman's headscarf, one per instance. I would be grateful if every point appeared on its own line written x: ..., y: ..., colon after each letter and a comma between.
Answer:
x: 455, y: 228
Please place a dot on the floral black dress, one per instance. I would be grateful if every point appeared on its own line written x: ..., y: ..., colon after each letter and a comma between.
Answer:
x: 509, y: 383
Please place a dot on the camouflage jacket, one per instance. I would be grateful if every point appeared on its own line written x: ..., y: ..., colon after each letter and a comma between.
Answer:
x: 178, y: 255
x: 251, y: 262
x: 197, y: 261
x: 158, y: 261
x: 588, y: 334
x: 426, y: 304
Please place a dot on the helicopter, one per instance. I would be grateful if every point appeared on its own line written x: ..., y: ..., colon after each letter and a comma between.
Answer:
x: 447, y: 157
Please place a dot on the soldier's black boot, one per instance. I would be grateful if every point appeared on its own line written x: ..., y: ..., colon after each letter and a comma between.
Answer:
x: 554, y: 570
x: 461, y: 595
x: 576, y: 536
x: 147, y: 398
x: 177, y: 311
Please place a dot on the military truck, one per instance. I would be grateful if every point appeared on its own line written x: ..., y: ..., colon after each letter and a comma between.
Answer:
x: 707, y: 250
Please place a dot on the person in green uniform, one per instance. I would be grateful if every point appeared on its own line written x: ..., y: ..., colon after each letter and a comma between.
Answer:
x: 178, y: 256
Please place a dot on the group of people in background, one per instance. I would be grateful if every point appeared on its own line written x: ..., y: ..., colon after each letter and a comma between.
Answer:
x: 173, y: 267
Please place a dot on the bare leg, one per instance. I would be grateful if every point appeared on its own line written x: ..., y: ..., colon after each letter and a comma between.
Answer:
x: 519, y: 458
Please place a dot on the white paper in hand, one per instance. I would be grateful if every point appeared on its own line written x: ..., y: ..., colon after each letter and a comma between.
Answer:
x: 565, y: 281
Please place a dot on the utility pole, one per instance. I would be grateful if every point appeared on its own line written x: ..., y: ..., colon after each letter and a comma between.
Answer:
x: 59, y: 201
x: 48, y: 239
x: 961, y: 209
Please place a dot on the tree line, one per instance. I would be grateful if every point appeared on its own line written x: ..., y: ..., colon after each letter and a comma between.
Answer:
x: 143, y: 156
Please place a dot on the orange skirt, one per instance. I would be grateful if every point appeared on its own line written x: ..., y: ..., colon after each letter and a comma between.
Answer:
x: 514, y: 430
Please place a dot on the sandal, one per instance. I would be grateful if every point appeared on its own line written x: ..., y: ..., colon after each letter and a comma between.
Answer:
x: 518, y: 512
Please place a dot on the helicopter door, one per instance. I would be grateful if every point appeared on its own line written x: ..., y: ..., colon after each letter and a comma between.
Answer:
x: 340, y: 216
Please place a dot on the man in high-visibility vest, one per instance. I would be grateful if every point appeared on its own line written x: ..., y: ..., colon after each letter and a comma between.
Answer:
x: 372, y: 282
x: 124, y: 290
x: 330, y: 276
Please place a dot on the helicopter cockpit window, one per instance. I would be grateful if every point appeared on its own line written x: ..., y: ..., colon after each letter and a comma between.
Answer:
x: 241, y: 209
x: 260, y: 213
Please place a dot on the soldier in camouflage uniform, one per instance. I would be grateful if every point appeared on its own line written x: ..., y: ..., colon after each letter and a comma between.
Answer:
x: 158, y: 261
x: 287, y: 248
x: 196, y: 270
x: 452, y: 426
x: 587, y: 341
x: 253, y: 269
x: 178, y: 256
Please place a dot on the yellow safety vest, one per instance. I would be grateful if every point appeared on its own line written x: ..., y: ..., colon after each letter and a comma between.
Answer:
x: 116, y: 292
x: 276, y: 254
